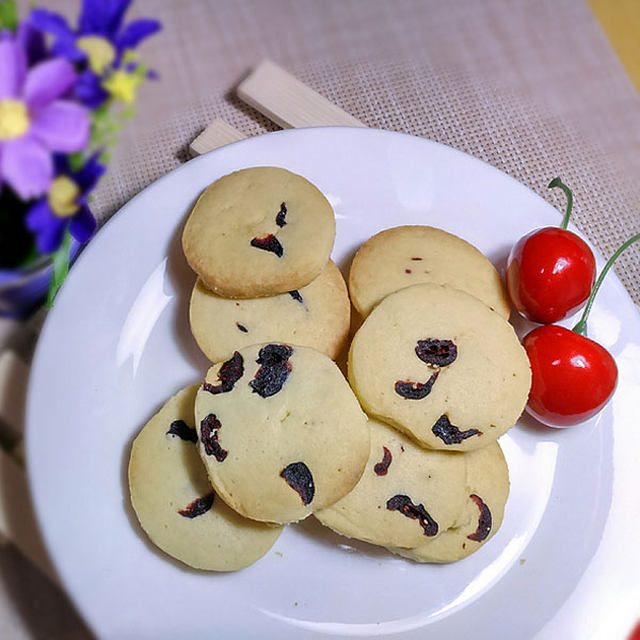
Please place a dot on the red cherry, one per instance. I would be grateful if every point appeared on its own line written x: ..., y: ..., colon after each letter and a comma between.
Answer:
x: 550, y: 274
x: 635, y: 634
x: 572, y: 377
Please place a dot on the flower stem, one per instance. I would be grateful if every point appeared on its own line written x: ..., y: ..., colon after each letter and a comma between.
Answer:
x: 556, y: 182
x: 581, y: 327
x: 8, y: 15
x: 60, y: 268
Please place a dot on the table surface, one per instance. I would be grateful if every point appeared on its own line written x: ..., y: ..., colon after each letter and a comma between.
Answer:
x: 533, y: 88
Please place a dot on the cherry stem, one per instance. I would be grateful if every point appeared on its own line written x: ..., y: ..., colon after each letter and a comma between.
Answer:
x: 556, y: 182
x: 581, y: 327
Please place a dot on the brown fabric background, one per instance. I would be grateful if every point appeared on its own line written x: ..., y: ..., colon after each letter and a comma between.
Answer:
x: 530, y: 86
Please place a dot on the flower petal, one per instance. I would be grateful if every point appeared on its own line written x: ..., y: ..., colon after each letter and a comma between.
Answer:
x: 89, y: 91
x: 118, y: 9
x: 38, y: 216
x: 48, y: 228
x: 48, y: 81
x: 27, y: 166
x: 32, y: 41
x: 62, y: 126
x: 83, y: 225
x: 66, y: 48
x: 56, y: 25
x: 61, y: 164
x: 100, y: 16
x: 135, y: 32
x: 87, y: 177
x: 14, y: 66
x: 50, y: 22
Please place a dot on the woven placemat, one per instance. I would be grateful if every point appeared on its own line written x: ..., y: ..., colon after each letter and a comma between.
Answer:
x: 532, y: 88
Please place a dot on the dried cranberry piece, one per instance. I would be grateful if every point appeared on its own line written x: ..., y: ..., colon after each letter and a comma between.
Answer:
x: 299, y: 478
x: 275, y: 369
x: 230, y: 372
x: 449, y: 433
x: 268, y: 243
x: 295, y: 294
x: 198, y: 506
x: 183, y: 431
x: 415, y: 390
x: 281, y: 215
x: 242, y: 327
x: 439, y: 353
x: 484, y: 521
x: 382, y: 467
x: 209, y: 437
x: 404, y: 505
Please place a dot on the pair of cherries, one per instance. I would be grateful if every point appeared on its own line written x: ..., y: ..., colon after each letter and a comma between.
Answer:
x: 550, y: 275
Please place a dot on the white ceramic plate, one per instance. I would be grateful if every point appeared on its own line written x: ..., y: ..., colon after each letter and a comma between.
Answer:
x: 118, y: 344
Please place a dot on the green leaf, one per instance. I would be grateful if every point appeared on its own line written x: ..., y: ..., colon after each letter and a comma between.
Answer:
x: 129, y: 56
x: 8, y: 15
x: 113, y: 127
x: 141, y: 70
x: 128, y: 112
x: 60, y: 268
x: 76, y: 160
x: 102, y: 110
x: 30, y: 257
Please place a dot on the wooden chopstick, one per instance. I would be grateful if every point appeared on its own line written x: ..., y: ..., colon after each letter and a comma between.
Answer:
x: 288, y: 102
x: 217, y: 134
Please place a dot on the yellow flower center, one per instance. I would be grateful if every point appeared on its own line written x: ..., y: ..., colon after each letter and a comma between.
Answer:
x: 62, y: 197
x: 100, y: 52
x: 122, y: 85
x: 14, y: 119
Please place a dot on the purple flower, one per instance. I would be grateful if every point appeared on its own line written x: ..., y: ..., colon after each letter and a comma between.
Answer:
x: 66, y: 205
x: 33, y: 42
x: 100, y: 40
x: 34, y: 122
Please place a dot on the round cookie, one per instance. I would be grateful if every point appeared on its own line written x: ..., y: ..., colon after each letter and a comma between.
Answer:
x: 259, y: 232
x: 315, y: 316
x: 438, y: 364
x: 403, y: 256
x: 406, y: 494
x: 280, y: 432
x: 175, y: 503
x: 488, y: 489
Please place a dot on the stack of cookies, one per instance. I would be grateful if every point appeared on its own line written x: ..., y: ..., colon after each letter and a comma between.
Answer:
x: 275, y: 433
x: 436, y: 360
x: 260, y: 241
